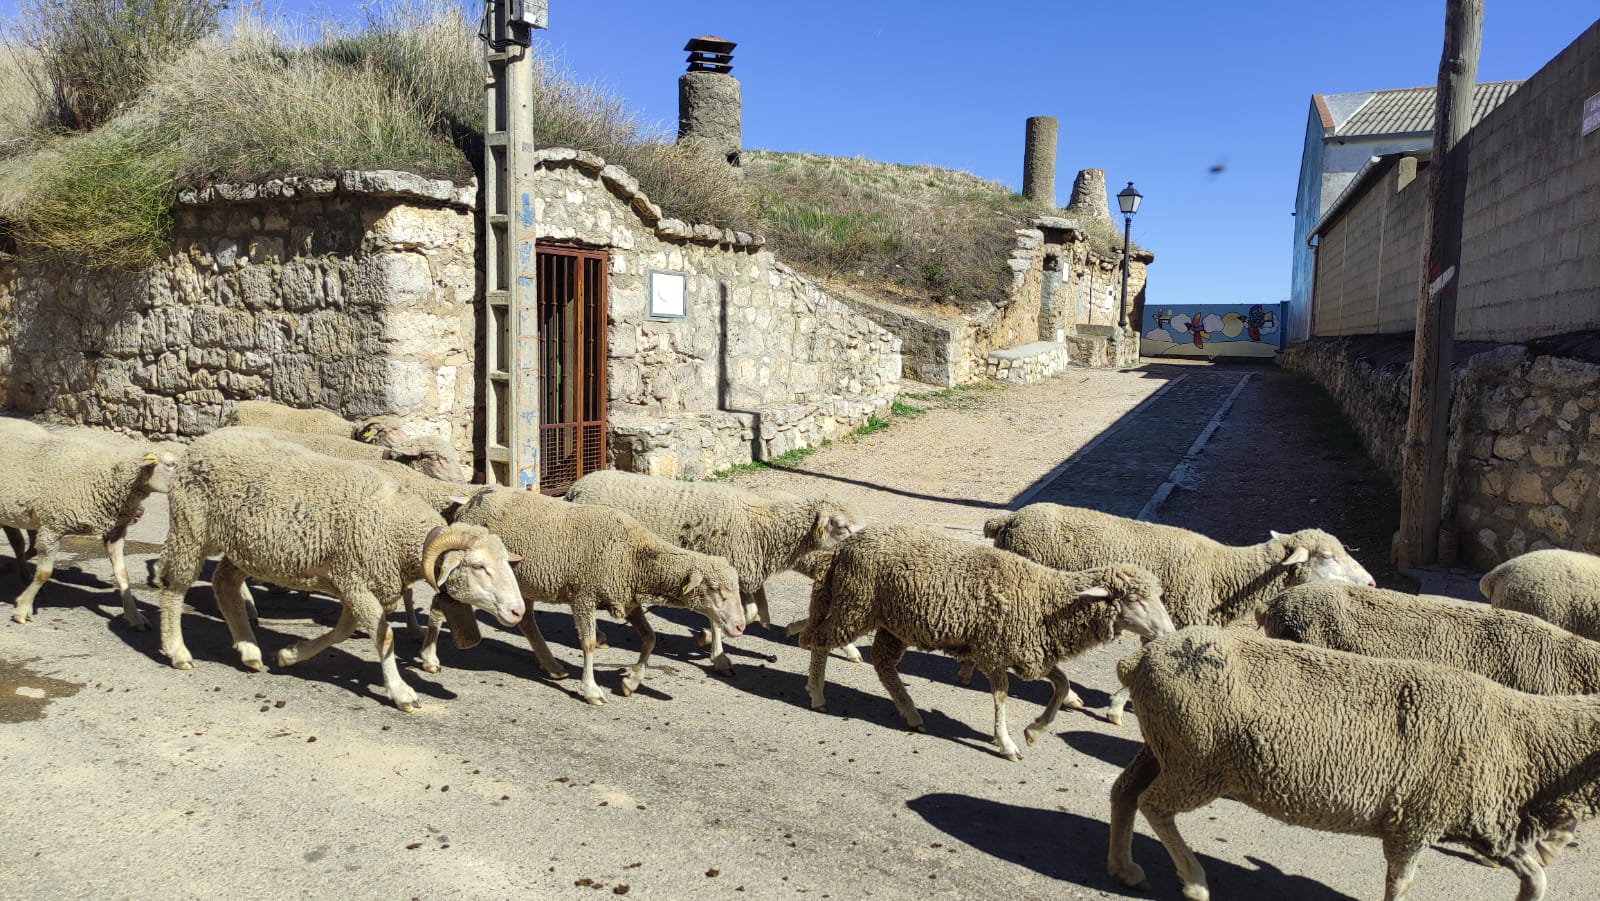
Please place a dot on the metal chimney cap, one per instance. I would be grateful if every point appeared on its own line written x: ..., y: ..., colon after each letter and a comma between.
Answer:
x: 710, y: 43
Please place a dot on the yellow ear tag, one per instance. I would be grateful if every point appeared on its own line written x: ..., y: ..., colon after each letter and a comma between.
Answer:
x: 150, y: 458
x: 687, y: 589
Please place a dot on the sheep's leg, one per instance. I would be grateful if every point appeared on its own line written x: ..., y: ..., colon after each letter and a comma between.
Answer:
x: 311, y: 647
x: 227, y: 584
x: 583, y: 617
x: 647, y: 643
x: 887, y: 649
x: 761, y: 611
x: 249, y: 599
x: 1114, y: 709
x: 1062, y: 693
x: 1400, y: 853
x: 1190, y: 872
x: 1000, y: 685
x: 45, y: 565
x: 369, y: 614
x: 964, y: 675
x: 119, y: 575
x: 429, y: 655
x: 413, y: 622
x: 180, y: 566
x: 817, y: 677
x: 1125, y: 792
x: 719, y: 656
x: 19, y: 551
x: 530, y: 630
x: 1525, y: 863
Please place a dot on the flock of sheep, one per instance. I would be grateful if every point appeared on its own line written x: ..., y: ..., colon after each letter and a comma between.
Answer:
x: 1360, y: 710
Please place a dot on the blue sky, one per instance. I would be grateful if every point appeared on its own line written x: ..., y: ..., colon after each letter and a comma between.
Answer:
x: 1152, y: 92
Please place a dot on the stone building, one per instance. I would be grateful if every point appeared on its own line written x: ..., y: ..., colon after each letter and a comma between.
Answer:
x: 361, y: 294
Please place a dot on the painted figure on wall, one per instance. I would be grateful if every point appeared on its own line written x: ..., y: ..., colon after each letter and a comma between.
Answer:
x: 1220, y: 330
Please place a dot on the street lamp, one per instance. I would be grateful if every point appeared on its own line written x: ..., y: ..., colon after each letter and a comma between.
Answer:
x: 1128, y: 200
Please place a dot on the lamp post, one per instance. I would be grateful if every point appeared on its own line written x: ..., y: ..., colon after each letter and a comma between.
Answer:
x: 1128, y: 200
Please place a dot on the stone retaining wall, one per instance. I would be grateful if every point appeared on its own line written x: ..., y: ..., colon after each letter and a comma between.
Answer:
x: 352, y: 293
x: 1524, y: 459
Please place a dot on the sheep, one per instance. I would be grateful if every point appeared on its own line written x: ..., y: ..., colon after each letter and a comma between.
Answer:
x: 1514, y: 649
x: 1562, y: 587
x: 590, y: 557
x: 62, y: 484
x: 269, y: 415
x: 759, y: 535
x: 430, y: 454
x: 1405, y: 751
x: 279, y: 512
x: 986, y: 607
x: 1205, y: 581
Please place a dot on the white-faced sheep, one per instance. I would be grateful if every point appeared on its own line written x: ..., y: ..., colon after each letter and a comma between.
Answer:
x: 591, y: 557
x: 1405, y: 751
x: 994, y: 609
x: 269, y: 415
x: 59, y: 484
x: 759, y: 535
x: 1562, y: 587
x: 284, y: 514
x: 1514, y: 649
x: 1205, y: 581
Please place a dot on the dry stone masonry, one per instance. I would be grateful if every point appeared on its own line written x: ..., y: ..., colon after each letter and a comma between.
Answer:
x: 352, y: 293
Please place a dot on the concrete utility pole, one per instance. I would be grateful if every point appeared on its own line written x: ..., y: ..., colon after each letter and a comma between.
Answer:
x: 511, y: 302
x: 1422, y: 467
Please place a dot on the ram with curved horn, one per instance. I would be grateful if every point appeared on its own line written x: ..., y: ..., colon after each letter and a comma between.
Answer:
x: 278, y: 512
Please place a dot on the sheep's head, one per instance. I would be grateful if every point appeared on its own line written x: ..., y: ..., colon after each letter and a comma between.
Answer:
x: 157, y: 470
x: 1137, y: 592
x: 836, y: 522
x: 713, y: 590
x: 473, y: 567
x: 1312, y: 555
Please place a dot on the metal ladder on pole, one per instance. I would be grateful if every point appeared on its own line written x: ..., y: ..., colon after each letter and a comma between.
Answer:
x: 510, y: 447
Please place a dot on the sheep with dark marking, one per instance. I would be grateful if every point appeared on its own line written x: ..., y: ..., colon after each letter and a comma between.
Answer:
x: 990, y: 608
x: 591, y: 557
x: 1562, y: 587
x: 281, y: 513
x: 70, y: 483
x: 759, y: 535
x: 1514, y: 649
x: 1205, y: 581
x: 1408, y: 752
x: 430, y: 454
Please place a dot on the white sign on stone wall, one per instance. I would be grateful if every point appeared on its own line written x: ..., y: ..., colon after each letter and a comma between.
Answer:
x: 1591, y: 114
x: 666, y: 294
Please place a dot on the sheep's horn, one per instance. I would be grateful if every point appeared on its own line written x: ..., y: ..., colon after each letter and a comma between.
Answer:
x: 437, y: 543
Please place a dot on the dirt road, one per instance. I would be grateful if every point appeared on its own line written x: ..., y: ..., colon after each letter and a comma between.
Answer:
x: 129, y: 779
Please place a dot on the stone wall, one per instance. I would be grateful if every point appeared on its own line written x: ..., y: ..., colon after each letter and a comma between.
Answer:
x: 1524, y: 462
x: 757, y: 339
x: 1530, y: 246
x: 354, y: 293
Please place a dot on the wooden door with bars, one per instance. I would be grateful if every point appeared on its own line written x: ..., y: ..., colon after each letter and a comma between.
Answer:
x: 572, y: 365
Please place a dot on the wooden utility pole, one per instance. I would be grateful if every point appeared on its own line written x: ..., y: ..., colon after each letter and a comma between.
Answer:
x: 1422, y: 468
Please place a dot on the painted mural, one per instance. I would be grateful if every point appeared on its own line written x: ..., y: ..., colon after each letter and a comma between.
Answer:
x: 1215, y: 330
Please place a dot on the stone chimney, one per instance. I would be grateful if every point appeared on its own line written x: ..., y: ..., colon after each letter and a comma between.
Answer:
x: 1039, y: 160
x: 1089, y: 196
x: 708, y: 99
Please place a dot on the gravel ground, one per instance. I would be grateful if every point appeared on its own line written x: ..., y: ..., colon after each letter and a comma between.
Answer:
x: 130, y: 779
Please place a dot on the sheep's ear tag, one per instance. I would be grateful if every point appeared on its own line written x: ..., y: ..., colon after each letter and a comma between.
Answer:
x: 1299, y: 555
x: 150, y: 458
x: 1096, y: 591
x: 691, y: 583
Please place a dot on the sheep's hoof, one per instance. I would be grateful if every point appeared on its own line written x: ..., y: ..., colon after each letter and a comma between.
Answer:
x: 852, y: 654
x: 287, y: 657
x: 820, y: 708
x: 1114, y: 719
x: 1196, y: 893
x: 20, y: 617
x: 138, y: 624
x: 432, y: 668
x: 1029, y: 736
x: 254, y: 666
x: 182, y: 664
x: 556, y: 674
x: 919, y: 729
x: 1012, y: 756
x: 1073, y: 703
x: 595, y: 700
x: 409, y: 706
x: 1131, y: 875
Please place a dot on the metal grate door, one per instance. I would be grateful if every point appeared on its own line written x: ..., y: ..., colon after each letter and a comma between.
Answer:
x: 572, y: 365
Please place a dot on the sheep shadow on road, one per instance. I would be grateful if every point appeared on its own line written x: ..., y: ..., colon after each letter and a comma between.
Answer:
x: 1112, y: 749
x: 1072, y: 848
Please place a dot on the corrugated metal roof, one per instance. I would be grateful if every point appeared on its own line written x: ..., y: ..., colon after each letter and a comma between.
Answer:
x: 1410, y: 110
